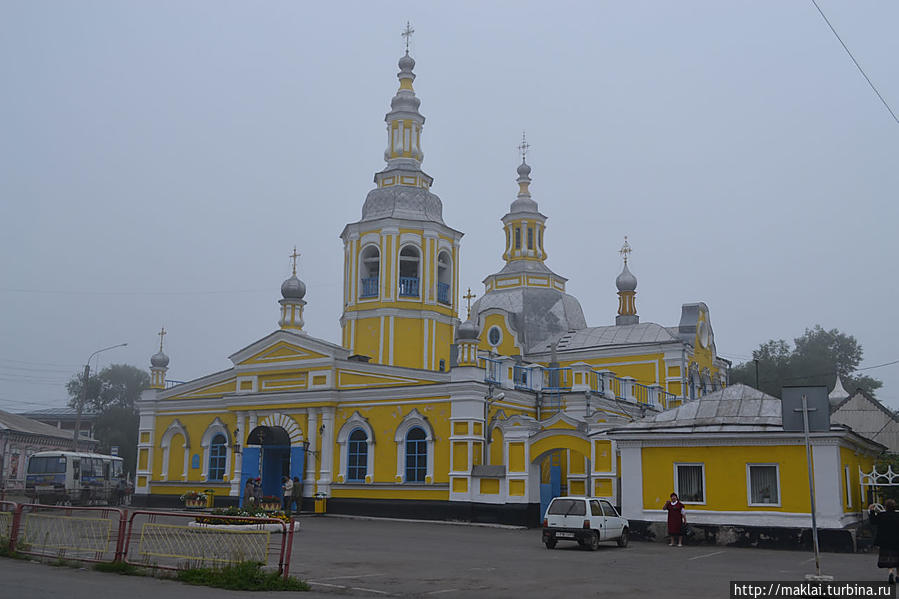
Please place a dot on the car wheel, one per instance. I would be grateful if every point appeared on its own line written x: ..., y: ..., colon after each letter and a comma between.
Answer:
x: 593, y: 542
x: 550, y: 543
x: 622, y: 540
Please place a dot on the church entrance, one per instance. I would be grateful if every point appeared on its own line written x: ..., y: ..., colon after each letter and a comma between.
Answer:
x: 269, y: 455
x: 560, y: 467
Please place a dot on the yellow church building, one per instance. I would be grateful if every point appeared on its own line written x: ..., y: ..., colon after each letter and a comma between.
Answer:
x: 416, y: 413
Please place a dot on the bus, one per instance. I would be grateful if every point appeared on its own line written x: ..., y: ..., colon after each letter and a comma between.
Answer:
x: 75, y: 478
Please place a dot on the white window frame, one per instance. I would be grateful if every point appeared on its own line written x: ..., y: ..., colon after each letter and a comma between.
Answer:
x: 217, y: 427
x: 487, y: 337
x: 749, y: 465
x: 705, y: 490
x: 361, y: 267
x: 175, y: 428
x: 343, y: 437
x: 848, y: 477
x: 413, y: 419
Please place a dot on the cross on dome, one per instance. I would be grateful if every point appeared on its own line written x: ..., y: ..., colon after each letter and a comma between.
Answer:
x: 625, y: 249
x: 294, y: 257
x: 162, y: 334
x: 468, y: 297
x: 523, y: 147
x: 407, y: 33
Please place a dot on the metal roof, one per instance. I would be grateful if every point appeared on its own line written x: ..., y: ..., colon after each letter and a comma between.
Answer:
x: 644, y: 332
x: 21, y: 424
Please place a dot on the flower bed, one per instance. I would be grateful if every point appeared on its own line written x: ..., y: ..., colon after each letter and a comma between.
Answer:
x: 214, y: 517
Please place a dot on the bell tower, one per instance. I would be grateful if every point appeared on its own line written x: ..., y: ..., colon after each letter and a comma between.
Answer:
x: 401, y: 261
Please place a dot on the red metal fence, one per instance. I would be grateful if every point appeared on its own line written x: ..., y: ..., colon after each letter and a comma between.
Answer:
x: 153, y: 539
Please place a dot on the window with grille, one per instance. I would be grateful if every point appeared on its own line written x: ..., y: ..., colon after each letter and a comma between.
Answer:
x: 217, y: 458
x: 690, y: 482
x: 357, y: 456
x: 416, y: 456
x: 763, y: 487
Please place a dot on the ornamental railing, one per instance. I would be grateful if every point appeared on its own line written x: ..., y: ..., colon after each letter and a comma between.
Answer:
x: 408, y: 286
x: 369, y: 287
x: 443, y: 295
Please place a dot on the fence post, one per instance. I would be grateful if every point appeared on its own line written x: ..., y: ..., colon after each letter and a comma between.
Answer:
x: 289, y: 536
x: 14, y: 529
x: 120, y: 542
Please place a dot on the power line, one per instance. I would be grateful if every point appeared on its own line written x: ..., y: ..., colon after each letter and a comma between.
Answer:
x: 877, y: 366
x: 860, y: 69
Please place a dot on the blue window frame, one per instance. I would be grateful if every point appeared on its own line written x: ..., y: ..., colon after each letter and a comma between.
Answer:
x: 357, y: 456
x: 217, y: 451
x: 416, y: 456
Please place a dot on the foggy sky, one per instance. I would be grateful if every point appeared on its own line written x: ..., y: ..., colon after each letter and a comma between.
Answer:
x: 159, y: 161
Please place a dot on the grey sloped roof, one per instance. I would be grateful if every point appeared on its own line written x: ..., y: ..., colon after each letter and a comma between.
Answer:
x: 735, y: 408
x: 57, y: 412
x: 537, y: 315
x: 644, y: 332
x: 21, y: 424
x: 526, y: 266
x: 401, y: 201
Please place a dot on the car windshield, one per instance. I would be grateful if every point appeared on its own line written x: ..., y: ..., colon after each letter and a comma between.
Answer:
x: 567, y: 507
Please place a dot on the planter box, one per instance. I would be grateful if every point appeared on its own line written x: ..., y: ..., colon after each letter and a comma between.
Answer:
x: 194, y: 504
x: 270, y: 507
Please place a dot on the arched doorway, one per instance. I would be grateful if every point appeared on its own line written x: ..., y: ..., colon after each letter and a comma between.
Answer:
x: 560, y: 465
x: 268, y: 455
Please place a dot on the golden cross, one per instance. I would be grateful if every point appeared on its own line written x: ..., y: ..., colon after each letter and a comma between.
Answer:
x: 294, y: 255
x: 625, y: 249
x: 523, y: 147
x: 469, y: 296
x: 407, y: 33
x: 161, y: 335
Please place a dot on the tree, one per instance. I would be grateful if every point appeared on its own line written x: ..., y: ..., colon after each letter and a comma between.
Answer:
x: 816, y: 358
x: 112, y: 394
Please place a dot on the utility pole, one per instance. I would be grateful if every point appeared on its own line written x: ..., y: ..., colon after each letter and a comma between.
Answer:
x: 83, y: 400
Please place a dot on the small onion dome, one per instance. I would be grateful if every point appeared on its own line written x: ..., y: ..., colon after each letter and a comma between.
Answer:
x: 293, y: 288
x: 626, y: 281
x: 159, y: 360
x: 407, y: 63
x: 468, y: 330
x: 524, y: 169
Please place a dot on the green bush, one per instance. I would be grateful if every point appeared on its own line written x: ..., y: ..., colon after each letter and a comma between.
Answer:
x: 244, y: 576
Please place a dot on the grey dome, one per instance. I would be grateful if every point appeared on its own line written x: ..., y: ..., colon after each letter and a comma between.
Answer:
x: 405, y: 101
x: 400, y: 201
x: 467, y: 331
x: 159, y: 360
x: 293, y: 288
x: 537, y: 316
x: 407, y: 63
x: 626, y: 281
x: 523, y: 204
x: 524, y: 169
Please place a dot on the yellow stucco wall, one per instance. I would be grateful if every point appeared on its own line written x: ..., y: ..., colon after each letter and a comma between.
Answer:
x: 853, y: 501
x: 725, y: 476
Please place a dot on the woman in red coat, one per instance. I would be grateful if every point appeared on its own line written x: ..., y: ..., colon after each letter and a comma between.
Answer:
x: 676, y: 520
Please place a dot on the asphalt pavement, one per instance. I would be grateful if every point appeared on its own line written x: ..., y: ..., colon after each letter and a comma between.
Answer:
x: 382, y: 558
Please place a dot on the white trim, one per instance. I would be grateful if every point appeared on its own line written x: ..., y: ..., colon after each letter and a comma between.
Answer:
x: 411, y: 420
x: 215, y: 428
x: 175, y: 428
x: 284, y: 421
x: 776, y: 466
x: 704, y: 489
x: 847, y: 475
x: 356, y: 421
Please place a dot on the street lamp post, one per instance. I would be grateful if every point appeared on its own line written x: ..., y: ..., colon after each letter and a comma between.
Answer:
x: 83, y: 400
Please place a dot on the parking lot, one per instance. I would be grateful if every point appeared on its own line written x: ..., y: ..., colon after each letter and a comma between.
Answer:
x: 411, y: 559
x: 383, y: 558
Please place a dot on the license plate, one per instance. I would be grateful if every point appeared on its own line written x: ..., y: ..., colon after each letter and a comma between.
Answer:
x: 44, y: 487
x: 565, y: 535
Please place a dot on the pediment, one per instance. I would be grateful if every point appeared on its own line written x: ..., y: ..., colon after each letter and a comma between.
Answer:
x: 284, y: 347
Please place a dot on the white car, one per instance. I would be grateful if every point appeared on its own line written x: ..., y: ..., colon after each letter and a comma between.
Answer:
x: 586, y: 520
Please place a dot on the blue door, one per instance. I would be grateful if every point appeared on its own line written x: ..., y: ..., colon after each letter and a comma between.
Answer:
x: 550, y: 490
x: 249, y: 468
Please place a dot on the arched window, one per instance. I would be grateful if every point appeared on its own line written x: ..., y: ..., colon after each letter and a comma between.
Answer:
x: 409, y: 261
x: 416, y: 456
x: 217, y: 457
x: 357, y: 456
x: 444, y: 277
x: 517, y: 238
x: 369, y: 271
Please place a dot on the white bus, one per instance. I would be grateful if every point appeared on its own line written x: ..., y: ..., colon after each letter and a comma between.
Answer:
x: 75, y: 478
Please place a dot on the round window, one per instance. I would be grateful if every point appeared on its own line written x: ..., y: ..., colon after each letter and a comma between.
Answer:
x: 494, y: 335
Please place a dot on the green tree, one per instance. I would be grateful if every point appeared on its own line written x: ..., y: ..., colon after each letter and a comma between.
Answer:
x: 815, y: 358
x: 113, y: 394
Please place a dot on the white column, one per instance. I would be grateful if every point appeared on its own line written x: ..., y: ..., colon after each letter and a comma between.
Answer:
x: 828, y: 487
x: 327, y: 451
x: 311, y: 461
x: 631, y: 480
x: 238, y: 439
